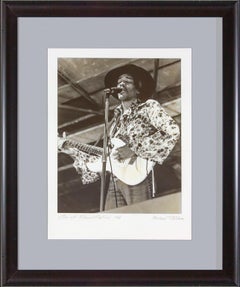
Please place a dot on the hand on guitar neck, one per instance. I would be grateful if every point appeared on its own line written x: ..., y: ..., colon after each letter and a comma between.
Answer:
x: 121, y: 161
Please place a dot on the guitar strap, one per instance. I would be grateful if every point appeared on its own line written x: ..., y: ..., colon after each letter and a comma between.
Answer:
x: 115, y: 123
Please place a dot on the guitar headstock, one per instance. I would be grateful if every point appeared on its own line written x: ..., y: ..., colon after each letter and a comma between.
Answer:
x: 61, y: 140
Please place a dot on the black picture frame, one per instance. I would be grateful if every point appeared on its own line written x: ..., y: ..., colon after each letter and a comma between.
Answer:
x: 11, y: 11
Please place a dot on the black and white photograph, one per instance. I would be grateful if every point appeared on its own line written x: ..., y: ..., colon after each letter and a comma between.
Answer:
x: 119, y: 141
x: 119, y: 147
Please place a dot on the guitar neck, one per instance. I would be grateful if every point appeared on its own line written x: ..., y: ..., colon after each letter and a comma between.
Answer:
x: 84, y: 147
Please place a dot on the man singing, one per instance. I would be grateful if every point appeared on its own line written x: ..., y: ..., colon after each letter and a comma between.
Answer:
x: 147, y: 131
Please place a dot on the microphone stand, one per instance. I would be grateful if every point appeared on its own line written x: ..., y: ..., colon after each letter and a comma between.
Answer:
x: 104, y: 154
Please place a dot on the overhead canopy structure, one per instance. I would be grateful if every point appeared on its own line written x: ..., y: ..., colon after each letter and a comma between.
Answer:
x: 81, y: 116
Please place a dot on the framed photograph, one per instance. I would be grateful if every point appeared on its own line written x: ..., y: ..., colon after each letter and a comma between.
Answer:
x: 167, y: 202
x: 120, y: 143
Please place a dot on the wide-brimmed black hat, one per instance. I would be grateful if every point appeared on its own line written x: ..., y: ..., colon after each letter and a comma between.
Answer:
x: 142, y: 78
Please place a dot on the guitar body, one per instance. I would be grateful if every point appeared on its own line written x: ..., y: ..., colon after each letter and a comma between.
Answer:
x: 128, y: 172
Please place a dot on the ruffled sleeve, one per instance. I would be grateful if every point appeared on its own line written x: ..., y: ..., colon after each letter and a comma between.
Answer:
x: 80, y: 159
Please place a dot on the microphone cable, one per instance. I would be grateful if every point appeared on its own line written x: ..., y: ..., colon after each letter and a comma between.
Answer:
x: 112, y: 176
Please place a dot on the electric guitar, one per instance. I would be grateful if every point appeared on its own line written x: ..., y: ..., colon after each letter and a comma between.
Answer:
x: 131, y: 172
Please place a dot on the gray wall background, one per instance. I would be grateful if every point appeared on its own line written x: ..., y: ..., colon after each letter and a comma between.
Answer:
x: 203, y: 35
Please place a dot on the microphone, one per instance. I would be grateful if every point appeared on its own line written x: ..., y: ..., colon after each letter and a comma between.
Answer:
x: 113, y: 90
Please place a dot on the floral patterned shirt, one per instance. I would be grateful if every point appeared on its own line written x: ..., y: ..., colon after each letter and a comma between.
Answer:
x: 147, y: 129
x: 80, y: 163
